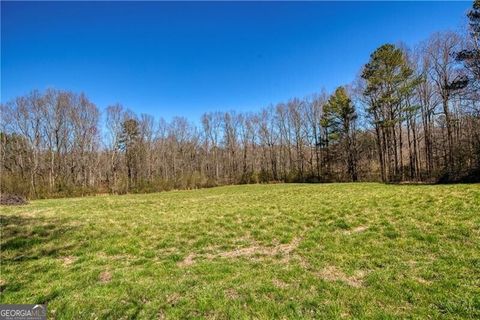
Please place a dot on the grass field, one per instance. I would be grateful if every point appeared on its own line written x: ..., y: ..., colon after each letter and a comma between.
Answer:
x: 259, y: 251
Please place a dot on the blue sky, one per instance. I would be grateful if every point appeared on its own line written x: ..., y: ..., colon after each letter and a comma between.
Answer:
x: 179, y: 58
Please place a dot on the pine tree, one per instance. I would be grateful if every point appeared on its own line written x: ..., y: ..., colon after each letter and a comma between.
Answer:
x: 130, y: 143
x: 471, y: 55
x: 340, y: 115
x: 387, y: 74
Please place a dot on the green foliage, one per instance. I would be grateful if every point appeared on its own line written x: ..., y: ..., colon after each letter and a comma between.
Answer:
x: 338, y: 114
x: 296, y: 251
x: 130, y: 135
x: 389, y: 79
x: 470, y: 56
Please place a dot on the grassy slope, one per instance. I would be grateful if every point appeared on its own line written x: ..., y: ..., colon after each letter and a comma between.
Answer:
x: 262, y: 251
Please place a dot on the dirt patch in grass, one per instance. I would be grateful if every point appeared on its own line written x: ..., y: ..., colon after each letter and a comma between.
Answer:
x: 280, y: 284
x: 358, y: 229
x: 422, y: 281
x: 105, y: 277
x: 173, y: 299
x: 69, y: 260
x: 161, y: 315
x: 332, y: 273
x: 283, y: 250
x: 231, y: 294
x: 188, y: 261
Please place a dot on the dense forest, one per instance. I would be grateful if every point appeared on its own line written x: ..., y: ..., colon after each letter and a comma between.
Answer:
x: 413, y: 114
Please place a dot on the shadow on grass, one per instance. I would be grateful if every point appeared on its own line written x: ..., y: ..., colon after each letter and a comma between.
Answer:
x: 460, y: 177
x: 471, y: 176
x: 27, y: 238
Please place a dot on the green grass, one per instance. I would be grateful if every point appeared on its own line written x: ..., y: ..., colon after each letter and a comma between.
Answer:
x: 326, y: 251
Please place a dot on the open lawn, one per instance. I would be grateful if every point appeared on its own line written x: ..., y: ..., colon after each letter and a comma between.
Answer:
x: 255, y: 251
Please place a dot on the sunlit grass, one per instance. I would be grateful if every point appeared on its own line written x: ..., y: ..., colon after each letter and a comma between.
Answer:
x: 258, y: 251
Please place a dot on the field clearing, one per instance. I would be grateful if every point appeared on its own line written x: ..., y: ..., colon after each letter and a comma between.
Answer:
x: 254, y: 251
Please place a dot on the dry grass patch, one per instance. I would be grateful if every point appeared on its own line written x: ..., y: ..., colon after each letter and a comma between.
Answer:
x: 332, y: 273
x: 358, y: 229
x: 280, y: 284
x: 283, y: 250
x: 69, y: 260
x: 188, y: 261
x: 173, y: 298
x: 231, y: 294
x: 105, y: 277
x: 422, y: 281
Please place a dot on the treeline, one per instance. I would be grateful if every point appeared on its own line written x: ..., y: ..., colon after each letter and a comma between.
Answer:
x: 412, y: 115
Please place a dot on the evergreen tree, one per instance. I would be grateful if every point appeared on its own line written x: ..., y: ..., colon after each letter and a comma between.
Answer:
x: 387, y: 74
x: 471, y: 55
x: 340, y: 116
x: 130, y: 144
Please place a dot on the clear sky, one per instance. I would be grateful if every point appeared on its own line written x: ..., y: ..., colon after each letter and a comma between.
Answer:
x: 184, y: 59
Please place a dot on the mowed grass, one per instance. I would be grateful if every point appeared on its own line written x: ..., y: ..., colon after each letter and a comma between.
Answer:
x: 255, y: 251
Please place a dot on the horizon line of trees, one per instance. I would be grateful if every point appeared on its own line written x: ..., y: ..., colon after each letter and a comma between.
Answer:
x: 412, y: 115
